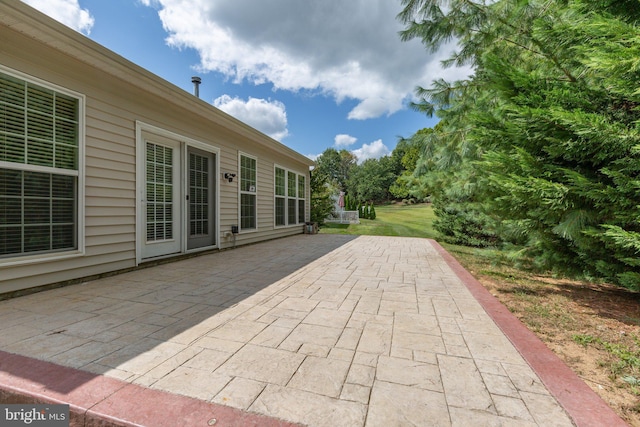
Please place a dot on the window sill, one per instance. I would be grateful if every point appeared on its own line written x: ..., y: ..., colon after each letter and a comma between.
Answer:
x: 41, y: 258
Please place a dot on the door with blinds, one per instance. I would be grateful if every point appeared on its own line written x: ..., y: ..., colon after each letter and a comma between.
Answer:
x: 161, y: 199
x: 200, y: 198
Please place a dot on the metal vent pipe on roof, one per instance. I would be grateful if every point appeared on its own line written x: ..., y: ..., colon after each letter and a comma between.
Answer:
x: 196, y: 85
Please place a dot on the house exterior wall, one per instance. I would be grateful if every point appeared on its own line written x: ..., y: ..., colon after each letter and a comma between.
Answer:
x: 120, y: 98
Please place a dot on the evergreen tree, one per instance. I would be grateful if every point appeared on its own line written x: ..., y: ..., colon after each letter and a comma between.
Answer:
x: 321, y: 201
x: 544, y: 138
x: 372, y: 212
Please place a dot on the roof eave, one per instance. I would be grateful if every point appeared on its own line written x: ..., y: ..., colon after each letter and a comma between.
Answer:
x: 31, y: 22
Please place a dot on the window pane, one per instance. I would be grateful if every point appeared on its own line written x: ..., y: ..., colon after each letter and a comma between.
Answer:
x: 66, y: 108
x: 63, y: 211
x: 291, y: 188
x: 10, y: 211
x: 40, y: 126
x: 10, y: 198
x: 65, y: 156
x: 39, y: 153
x: 10, y: 240
x: 64, y: 186
x: 63, y: 236
x: 280, y: 202
x: 12, y: 119
x: 301, y: 187
x: 247, y: 211
x: 247, y: 173
x: 300, y: 211
x: 11, y: 148
x: 10, y: 182
x: 12, y: 90
x: 40, y: 99
x: 291, y: 205
x: 66, y: 131
x: 280, y: 182
x: 37, y: 211
x: 37, y: 184
x: 37, y: 238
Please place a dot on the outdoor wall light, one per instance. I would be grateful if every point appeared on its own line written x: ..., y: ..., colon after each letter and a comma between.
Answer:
x: 229, y: 176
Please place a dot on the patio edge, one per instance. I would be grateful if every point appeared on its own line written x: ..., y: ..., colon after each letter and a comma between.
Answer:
x: 581, y: 403
x: 99, y: 401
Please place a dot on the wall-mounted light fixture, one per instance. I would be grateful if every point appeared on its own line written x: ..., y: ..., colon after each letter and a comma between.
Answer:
x: 229, y: 176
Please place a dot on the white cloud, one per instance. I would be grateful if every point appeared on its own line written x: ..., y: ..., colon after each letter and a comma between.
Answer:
x: 342, y: 49
x: 269, y: 117
x: 68, y: 12
x: 375, y: 150
x: 343, y: 140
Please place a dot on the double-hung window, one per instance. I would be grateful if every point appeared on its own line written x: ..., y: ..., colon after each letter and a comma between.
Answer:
x: 248, y: 192
x: 280, y: 196
x: 302, y: 191
x: 292, y: 202
x: 289, y: 197
x: 40, y: 150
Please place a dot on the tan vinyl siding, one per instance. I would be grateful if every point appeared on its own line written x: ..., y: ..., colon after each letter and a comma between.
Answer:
x: 50, y: 273
x: 117, y: 96
x: 109, y: 183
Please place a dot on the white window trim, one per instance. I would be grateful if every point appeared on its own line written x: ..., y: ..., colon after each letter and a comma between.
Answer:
x: 275, y: 197
x: 79, y: 173
x: 306, y: 210
x: 240, y: 192
x: 287, y: 197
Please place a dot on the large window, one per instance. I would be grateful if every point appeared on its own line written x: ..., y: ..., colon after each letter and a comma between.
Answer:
x: 280, y: 194
x: 39, y: 167
x: 289, y: 194
x: 292, y: 192
x: 248, y: 191
x: 301, y: 198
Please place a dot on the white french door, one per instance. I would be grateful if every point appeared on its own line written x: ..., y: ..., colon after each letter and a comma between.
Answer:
x: 177, y: 185
x: 161, y: 198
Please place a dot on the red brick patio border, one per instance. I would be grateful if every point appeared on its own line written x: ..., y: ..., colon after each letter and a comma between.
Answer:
x: 583, y: 405
x: 99, y: 401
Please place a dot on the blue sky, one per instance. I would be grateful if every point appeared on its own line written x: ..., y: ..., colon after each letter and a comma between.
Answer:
x: 311, y: 74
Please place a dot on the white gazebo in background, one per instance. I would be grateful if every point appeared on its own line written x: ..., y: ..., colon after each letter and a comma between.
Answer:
x: 340, y: 215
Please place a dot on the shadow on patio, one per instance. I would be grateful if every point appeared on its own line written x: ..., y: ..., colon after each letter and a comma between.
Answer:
x: 141, y: 325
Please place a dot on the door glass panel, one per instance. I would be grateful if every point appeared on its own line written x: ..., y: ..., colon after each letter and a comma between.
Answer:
x: 159, y: 192
x: 198, y: 195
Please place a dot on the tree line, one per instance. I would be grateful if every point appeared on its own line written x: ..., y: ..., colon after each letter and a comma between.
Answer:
x: 372, y: 181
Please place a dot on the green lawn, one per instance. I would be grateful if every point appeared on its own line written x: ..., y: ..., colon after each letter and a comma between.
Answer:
x: 391, y: 220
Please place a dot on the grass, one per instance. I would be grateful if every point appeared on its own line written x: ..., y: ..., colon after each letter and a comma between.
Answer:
x: 624, y: 360
x: 391, y: 220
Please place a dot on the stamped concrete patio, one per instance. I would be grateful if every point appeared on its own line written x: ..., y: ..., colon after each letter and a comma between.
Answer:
x: 321, y: 330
